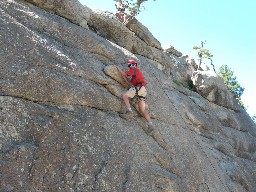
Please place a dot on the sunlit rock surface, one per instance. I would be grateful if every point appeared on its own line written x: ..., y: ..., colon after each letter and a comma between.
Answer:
x: 60, y: 102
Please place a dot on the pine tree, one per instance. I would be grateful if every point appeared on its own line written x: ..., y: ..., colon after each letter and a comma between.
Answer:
x: 230, y: 80
x: 203, y: 53
x: 133, y: 6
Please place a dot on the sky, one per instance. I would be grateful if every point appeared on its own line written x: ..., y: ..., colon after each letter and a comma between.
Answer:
x: 228, y: 26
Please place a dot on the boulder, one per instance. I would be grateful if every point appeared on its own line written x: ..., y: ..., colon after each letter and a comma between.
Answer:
x: 143, y: 33
x: 212, y: 87
x: 71, y: 10
x: 189, y: 59
x: 112, y: 71
x: 170, y: 49
x: 181, y: 70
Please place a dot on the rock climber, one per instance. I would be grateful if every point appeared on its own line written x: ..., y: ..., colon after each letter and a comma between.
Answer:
x: 137, y: 88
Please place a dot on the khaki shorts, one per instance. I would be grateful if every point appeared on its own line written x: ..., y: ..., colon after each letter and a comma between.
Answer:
x: 132, y: 92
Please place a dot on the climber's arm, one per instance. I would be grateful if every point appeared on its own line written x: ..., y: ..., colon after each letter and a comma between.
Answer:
x: 124, y: 76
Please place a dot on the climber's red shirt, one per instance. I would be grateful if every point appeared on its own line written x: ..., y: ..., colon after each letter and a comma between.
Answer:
x: 139, y: 77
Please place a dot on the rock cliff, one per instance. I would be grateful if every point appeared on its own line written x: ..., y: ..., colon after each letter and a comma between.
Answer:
x: 60, y: 102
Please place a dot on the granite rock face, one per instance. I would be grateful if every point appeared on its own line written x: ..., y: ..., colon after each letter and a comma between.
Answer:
x: 60, y: 127
x: 143, y: 33
x: 133, y: 37
x: 211, y: 86
x: 69, y: 9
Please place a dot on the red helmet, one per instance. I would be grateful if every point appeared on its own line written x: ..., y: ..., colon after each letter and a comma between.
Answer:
x: 132, y: 62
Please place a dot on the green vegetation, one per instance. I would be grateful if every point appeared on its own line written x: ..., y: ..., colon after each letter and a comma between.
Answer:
x: 188, y: 85
x: 26, y: 96
x: 228, y: 77
x: 134, y: 6
x: 203, y: 53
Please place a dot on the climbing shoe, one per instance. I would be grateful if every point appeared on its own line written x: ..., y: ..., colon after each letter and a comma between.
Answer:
x: 127, y: 115
x: 150, y: 129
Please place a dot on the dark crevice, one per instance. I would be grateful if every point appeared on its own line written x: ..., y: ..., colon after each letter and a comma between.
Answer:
x: 97, y: 175
x: 161, y: 142
x: 51, y: 103
x: 157, y: 138
x: 245, y: 159
x: 238, y: 179
x: 32, y: 166
x: 203, y: 187
x: 127, y: 176
x: 223, y: 152
x: 19, y: 144
x: 46, y: 103
x: 243, y: 131
x: 175, y: 174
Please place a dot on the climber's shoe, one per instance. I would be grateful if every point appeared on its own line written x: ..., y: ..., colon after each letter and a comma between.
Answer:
x: 150, y: 129
x: 127, y: 115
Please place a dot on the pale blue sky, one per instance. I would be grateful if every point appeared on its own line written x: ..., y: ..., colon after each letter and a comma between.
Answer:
x: 228, y: 26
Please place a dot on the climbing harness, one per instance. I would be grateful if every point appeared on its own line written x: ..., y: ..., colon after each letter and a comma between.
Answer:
x: 138, y: 87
